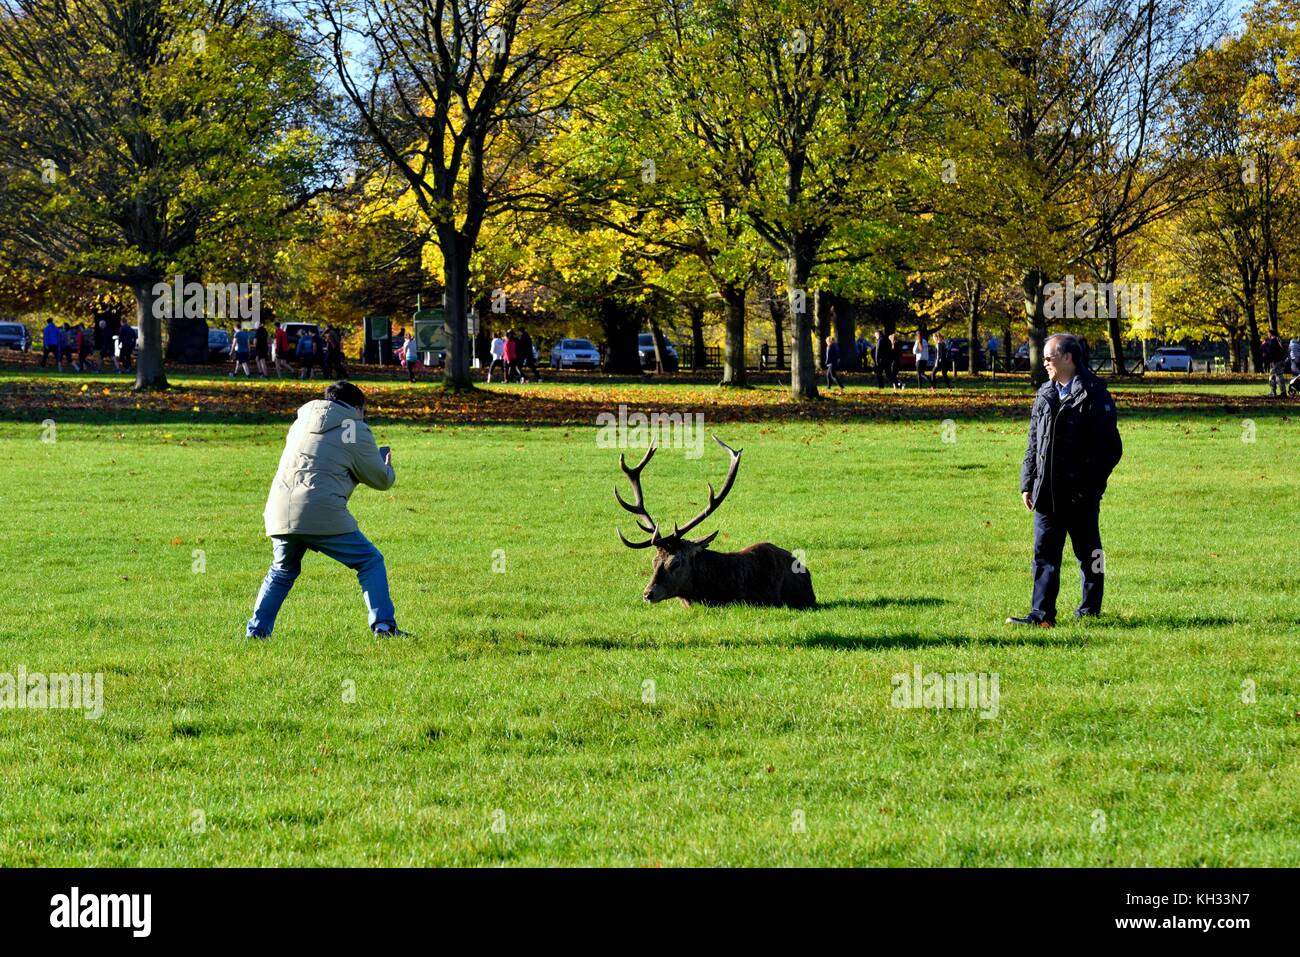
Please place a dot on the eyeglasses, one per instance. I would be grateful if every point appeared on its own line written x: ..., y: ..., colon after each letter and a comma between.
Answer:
x: 1049, y: 357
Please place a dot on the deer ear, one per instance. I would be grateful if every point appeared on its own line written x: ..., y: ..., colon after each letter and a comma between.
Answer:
x: 704, y: 542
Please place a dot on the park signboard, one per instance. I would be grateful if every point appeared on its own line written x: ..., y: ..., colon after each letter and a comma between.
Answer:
x: 431, y: 330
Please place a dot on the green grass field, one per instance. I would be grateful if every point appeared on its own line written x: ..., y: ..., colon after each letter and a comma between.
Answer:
x: 514, y: 727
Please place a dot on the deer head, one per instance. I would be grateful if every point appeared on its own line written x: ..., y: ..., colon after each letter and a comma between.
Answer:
x: 674, y: 564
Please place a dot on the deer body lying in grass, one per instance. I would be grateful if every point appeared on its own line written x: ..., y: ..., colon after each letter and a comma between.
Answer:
x: 684, y: 569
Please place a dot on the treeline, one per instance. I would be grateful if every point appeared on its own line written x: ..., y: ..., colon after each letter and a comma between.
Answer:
x: 1119, y: 167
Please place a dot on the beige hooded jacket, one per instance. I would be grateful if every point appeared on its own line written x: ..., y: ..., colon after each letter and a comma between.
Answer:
x: 328, y: 451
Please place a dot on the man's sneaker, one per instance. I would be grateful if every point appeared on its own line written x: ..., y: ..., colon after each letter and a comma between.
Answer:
x: 1030, y: 620
x: 390, y: 631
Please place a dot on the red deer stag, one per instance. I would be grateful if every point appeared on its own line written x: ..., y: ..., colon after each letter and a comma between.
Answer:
x: 760, y: 575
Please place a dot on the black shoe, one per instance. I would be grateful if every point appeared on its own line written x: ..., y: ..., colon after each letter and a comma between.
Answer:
x: 1087, y: 614
x: 1031, y: 620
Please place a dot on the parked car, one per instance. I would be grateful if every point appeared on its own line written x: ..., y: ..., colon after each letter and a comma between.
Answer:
x: 293, y: 330
x: 218, y: 344
x: 575, y: 354
x: 14, y: 335
x: 957, y: 354
x: 645, y: 346
x: 906, y: 357
x: 1170, y: 359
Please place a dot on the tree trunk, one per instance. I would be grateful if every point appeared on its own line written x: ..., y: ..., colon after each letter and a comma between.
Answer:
x: 973, y: 328
x: 1256, y: 354
x: 776, y: 308
x: 823, y: 307
x: 149, y: 348
x: 455, y: 273
x: 1033, y: 283
x: 621, y: 327
x: 846, y: 331
x: 733, y: 367
x: 803, y: 373
x: 698, y: 358
x: 1234, y: 352
x: 660, y: 347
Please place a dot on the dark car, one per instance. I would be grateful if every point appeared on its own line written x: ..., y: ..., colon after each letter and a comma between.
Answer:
x: 14, y: 335
x: 292, y: 330
x: 218, y: 344
x: 906, y: 355
x: 645, y: 346
x: 957, y: 349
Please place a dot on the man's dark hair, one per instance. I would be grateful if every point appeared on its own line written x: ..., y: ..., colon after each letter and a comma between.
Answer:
x: 1069, y: 344
x: 345, y: 392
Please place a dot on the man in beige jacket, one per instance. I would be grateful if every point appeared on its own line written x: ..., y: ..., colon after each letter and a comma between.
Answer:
x: 329, y: 450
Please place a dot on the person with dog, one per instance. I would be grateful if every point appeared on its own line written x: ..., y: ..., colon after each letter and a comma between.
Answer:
x: 1074, y: 445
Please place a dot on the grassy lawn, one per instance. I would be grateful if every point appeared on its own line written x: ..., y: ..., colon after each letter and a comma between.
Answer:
x: 522, y: 700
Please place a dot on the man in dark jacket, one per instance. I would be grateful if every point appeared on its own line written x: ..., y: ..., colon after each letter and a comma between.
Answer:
x: 884, y: 359
x: 1074, y: 445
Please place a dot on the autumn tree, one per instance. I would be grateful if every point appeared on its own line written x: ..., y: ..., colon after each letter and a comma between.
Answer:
x: 142, y: 137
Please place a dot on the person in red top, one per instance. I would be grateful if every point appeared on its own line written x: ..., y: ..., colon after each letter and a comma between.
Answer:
x: 512, y: 356
x: 280, y: 350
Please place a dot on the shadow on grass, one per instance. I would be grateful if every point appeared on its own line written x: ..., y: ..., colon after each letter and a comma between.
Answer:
x: 1180, y: 621
x: 1042, y: 638
x: 882, y: 601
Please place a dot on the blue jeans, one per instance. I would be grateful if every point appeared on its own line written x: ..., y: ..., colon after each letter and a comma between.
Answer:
x: 353, y: 550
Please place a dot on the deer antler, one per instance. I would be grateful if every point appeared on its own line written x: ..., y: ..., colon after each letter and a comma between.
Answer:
x: 715, y: 499
x: 637, y: 508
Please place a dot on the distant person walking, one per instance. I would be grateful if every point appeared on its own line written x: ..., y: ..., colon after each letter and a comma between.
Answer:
x: 334, y: 367
x: 280, y: 351
x: 125, y: 346
x: 921, y: 349
x: 526, y: 358
x: 262, y: 350
x: 1074, y: 445
x: 85, y: 347
x: 328, y: 452
x: 895, y: 366
x: 883, y: 358
x: 307, y: 352
x: 832, y: 360
x: 104, y: 340
x: 498, y: 354
x: 239, y: 348
x: 512, y: 356
x: 412, y: 356
x: 942, y: 360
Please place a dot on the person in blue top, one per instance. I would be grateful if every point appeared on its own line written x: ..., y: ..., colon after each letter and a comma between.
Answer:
x: 239, y: 348
x: 308, y: 352
x: 52, y: 341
